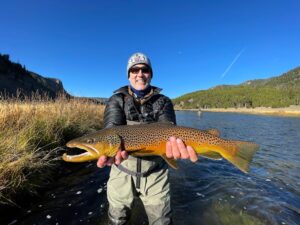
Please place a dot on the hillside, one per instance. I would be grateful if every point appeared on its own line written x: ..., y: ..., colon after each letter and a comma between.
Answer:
x: 280, y: 91
x: 16, y: 80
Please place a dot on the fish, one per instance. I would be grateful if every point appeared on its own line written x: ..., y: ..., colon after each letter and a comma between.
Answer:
x: 150, y: 139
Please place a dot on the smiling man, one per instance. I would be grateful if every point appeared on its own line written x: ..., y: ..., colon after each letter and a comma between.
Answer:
x: 143, y: 177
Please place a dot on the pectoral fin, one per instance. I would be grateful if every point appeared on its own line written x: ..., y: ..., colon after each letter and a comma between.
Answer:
x: 171, y: 162
x: 113, y: 146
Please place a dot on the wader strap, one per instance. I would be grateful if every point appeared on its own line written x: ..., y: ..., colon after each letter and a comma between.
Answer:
x: 140, y: 174
x: 138, y: 171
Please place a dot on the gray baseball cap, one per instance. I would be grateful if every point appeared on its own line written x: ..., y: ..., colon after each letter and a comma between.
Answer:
x: 138, y: 58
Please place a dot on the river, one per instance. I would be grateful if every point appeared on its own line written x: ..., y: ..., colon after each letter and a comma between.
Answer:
x: 205, y: 193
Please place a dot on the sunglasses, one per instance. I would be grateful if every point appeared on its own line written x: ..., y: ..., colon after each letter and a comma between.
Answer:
x: 136, y: 70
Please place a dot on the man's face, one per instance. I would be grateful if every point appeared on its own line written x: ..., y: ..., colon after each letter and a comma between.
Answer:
x: 140, y: 76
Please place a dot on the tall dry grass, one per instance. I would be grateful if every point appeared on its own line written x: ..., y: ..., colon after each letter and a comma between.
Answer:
x: 32, y: 131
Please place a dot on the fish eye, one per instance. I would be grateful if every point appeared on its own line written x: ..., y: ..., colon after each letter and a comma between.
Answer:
x: 89, y: 141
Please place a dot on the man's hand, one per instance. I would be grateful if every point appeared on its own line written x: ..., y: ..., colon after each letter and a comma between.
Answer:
x: 175, y: 148
x: 108, y: 161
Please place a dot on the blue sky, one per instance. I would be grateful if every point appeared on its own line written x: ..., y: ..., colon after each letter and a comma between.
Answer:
x: 193, y: 45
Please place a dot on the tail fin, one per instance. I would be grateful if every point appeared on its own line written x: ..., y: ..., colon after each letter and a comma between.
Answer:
x: 242, y: 155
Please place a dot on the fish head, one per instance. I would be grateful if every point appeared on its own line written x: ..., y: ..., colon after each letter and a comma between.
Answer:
x: 94, y: 145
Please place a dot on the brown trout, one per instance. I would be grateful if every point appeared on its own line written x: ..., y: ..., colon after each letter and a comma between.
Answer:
x: 150, y: 139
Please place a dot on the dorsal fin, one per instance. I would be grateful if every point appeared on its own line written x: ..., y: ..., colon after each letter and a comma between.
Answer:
x: 214, y: 132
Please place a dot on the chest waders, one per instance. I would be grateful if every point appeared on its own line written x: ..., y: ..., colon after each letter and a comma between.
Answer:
x: 143, y: 177
x: 144, y: 113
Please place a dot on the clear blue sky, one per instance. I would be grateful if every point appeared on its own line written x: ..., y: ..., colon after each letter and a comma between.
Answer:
x: 193, y: 45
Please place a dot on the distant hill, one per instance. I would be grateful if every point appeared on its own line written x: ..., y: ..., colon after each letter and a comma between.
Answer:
x: 280, y: 91
x: 15, y: 80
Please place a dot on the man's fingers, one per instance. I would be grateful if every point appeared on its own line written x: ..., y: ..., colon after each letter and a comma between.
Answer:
x: 118, y: 158
x: 192, y: 154
x: 182, y: 149
x: 175, y: 150
x: 169, y: 150
x: 110, y: 161
x: 102, y: 161
x: 124, y: 154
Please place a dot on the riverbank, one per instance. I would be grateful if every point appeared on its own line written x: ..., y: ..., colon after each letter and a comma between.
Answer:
x: 32, y: 138
x: 286, y: 111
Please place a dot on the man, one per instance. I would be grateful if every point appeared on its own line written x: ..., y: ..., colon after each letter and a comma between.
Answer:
x: 145, y: 177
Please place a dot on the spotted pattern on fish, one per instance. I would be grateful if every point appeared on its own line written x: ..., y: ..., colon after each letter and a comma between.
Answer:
x: 150, y: 139
x: 149, y: 134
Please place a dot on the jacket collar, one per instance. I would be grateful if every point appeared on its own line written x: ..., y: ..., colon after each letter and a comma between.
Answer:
x: 124, y: 90
x: 127, y: 92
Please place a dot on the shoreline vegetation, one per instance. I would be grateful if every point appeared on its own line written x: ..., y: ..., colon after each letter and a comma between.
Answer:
x: 283, y: 111
x: 33, y: 134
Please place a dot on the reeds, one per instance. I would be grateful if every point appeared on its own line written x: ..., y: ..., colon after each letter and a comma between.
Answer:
x: 31, y: 132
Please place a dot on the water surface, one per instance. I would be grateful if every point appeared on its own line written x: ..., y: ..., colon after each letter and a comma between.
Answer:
x: 208, y: 192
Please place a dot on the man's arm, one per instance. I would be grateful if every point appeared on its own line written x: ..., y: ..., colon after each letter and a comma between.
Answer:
x: 113, y: 116
x: 167, y: 113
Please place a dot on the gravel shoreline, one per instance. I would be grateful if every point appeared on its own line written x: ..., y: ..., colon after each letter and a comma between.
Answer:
x: 286, y: 111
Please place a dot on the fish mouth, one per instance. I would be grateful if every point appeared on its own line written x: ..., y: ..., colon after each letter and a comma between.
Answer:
x: 89, y: 153
x: 78, y: 146
x: 72, y: 144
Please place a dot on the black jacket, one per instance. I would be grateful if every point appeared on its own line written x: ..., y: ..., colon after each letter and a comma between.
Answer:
x: 123, y: 107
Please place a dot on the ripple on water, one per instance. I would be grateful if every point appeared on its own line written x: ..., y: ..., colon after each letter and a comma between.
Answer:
x: 205, y: 193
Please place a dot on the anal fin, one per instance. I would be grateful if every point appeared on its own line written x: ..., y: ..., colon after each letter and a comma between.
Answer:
x: 211, y: 155
x: 141, y: 152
